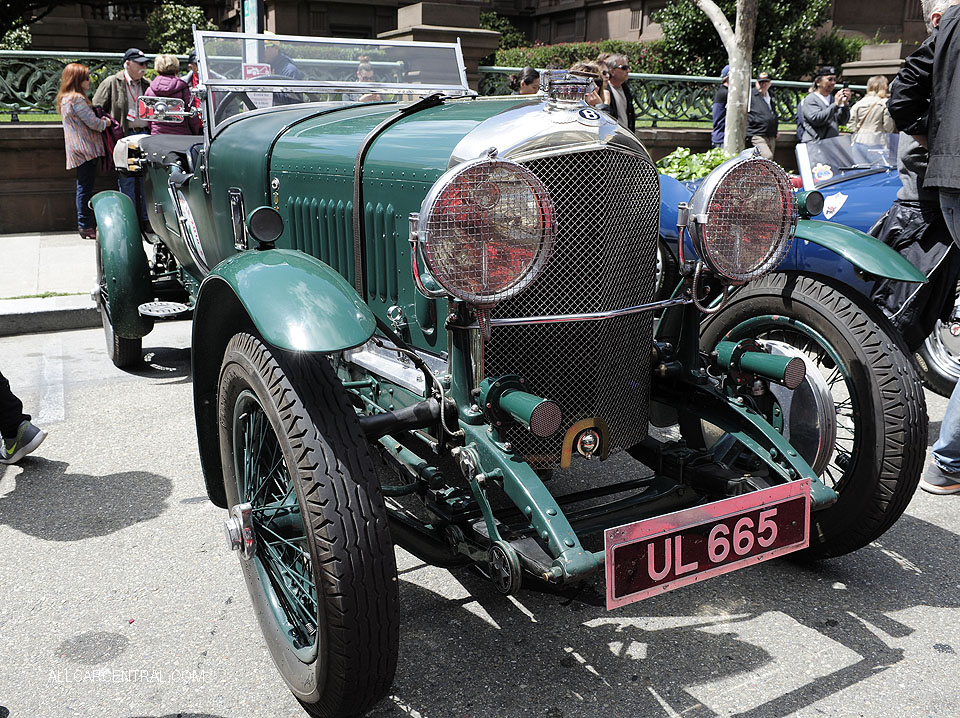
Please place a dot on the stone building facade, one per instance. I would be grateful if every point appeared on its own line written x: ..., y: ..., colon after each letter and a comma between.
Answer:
x: 116, y: 27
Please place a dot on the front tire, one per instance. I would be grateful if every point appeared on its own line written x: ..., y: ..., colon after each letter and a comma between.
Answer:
x: 881, y: 433
x: 323, y: 577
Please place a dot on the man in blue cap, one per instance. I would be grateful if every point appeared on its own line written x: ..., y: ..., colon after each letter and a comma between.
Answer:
x: 720, y: 108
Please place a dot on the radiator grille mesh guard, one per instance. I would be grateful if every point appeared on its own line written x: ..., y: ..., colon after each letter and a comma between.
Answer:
x: 607, y: 209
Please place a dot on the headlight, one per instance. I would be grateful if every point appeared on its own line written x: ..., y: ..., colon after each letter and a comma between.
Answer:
x: 486, y: 230
x: 742, y: 218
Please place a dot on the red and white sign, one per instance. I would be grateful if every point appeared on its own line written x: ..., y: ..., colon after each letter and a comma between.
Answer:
x: 660, y: 554
x: 255, y: 69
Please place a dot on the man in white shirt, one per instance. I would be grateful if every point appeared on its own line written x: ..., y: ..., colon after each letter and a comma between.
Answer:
x: 621, y: 99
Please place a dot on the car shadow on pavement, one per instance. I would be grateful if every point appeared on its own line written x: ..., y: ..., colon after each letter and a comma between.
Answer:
x: 52, y: 504
x: 767, y: 641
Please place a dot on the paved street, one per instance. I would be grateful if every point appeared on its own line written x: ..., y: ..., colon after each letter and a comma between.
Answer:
x: 120, y: 599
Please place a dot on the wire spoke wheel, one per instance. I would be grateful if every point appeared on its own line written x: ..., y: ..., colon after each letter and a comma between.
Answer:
x: 875, y: 457
x: 281, y: 555
x: 321, y: 570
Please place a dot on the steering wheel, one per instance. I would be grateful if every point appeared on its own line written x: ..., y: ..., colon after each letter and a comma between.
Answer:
x: 240, y: 96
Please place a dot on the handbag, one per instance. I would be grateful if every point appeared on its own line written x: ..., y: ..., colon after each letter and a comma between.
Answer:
x: 111, y: 135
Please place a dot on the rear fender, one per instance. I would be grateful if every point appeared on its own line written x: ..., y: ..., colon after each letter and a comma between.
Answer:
x: 128, y: 283
x: 294, y: 302
x: 861, y: 250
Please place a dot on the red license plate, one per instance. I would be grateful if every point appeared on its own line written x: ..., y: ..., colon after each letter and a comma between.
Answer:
x: 660, y: 554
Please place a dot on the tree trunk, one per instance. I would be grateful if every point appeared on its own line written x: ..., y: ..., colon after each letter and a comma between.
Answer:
x: 739, y: 47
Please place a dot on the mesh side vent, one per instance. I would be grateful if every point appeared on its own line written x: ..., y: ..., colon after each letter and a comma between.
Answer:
x: 607, y: 207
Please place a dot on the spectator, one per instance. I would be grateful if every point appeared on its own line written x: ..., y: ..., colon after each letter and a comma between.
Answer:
x: 599, y: 98
x: 914, y: 226
x: 364, y: 74
x: 192, y: 77
x: 762, y: 120
x: 20, y: 437
x: 621, y: 99
x: 869, y: 117
x: 822, y: 113
x: 117, y: 95
x: 82, y: 138
x: 527, y: 82
x: 720, y: 108
x: 925, y: 103
x: 280, y: 63
x: 167, y: 84
x: 799, y: 118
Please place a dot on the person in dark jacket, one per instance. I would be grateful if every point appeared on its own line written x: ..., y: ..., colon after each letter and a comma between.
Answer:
x: 167, y: 84
x: 720, y: 108
x: 621, y: 99
x: 762, y: 120
x: 925, y: 103
x: 821, y: 112
x: 192, y: 76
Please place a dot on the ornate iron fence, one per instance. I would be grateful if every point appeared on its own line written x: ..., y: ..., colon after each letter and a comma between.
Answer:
x: 671, y: 98
x: 29, y: 82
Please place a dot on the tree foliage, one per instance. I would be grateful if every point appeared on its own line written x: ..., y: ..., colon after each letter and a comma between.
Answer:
x: 17, y: 38
x: 787, y: 43
x: 170, y: 28
x: 644, y: 56
x: 510, y: 36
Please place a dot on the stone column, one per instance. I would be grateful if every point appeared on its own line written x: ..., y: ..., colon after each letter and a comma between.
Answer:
x: 444, y: 22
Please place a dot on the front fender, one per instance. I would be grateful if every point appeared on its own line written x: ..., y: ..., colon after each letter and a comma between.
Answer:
x: 124, y: 262
x: 296, y: 302
x: 293, y: 301
x: 861, y: 250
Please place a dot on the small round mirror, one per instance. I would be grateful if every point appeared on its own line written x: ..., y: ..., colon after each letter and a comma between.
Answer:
x: 265, y: 225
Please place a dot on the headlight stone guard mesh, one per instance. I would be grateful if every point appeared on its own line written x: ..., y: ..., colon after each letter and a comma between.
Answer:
x: 750, y: 221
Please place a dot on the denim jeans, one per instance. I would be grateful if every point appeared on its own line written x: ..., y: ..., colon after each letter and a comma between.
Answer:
x: 86, y: 175
x: 946, y: 451
x: 133, y: 188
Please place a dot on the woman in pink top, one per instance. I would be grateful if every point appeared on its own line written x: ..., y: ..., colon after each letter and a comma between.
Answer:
x: 82, y: 138
x: 167, y: 84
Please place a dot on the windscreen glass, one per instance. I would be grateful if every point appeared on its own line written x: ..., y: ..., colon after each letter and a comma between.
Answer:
x: 248, y: 72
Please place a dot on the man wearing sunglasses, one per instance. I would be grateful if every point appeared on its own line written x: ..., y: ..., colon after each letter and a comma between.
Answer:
x: 621, y: 99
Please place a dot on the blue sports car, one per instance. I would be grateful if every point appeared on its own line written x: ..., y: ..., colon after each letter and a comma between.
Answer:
x: 859, y: 184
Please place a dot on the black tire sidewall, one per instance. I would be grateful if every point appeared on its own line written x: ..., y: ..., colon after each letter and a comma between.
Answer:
x: 832, y: 312
x: 354, y: 566
x: 239, y: 373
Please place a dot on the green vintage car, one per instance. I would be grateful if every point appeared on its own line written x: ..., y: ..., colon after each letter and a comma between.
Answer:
x: 415, y: 310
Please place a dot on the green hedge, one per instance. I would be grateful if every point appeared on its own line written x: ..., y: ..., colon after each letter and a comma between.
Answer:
x: 644, y: 56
